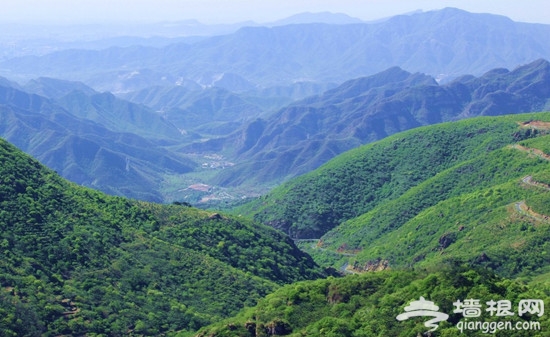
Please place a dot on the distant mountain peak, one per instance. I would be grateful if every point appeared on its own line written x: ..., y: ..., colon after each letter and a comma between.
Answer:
x: 318, y: 17
x: 449, y: 12
x: 56, y: 88
x: 539, y: 64
x: 4, y: 82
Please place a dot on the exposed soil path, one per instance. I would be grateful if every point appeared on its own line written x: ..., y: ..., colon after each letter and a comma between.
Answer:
x: 539, y: 125
x: 522, y: 208
x: 528, y: 180
x: 529, y: 150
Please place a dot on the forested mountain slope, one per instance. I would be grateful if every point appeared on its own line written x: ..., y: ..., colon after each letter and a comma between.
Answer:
x: 75, y: 261
x: 367, y: 305
x: 372, y: 175
x: 490, y: 211
x: 306, y: 134
x: 459, y: 211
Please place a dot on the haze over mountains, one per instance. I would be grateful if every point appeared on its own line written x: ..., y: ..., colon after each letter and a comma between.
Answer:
x: 307, y: 133
x: 413, y: 147
x: 446, y: 43
x: 90, y: 153
x: 264, y: 103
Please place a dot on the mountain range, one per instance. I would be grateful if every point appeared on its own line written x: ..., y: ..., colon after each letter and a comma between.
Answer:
x: 425, y: 196
x: 166, y: 133
x: 89, y: 153
x: 423, y: 207
x: 444, y: 44
x: 305, y: 134
x: 235, y: 127
x: 405, y: 163
x: 19, y: 39
x: 433, y: 212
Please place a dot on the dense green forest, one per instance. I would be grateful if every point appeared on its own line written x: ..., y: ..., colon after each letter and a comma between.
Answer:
x: 455, y: 215
x: 361, y: 179
x: 74, y: 261
x: 257, y: 179
x: 447, y: 212
x: 367, y: 306
x: 452, y: 211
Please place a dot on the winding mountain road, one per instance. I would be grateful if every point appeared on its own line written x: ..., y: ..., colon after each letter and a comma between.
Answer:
x: 522, y: 208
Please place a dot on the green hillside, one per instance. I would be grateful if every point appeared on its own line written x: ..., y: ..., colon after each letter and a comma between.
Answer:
x: 457, y: 211
x: 427, y: 196
x: 490, y: 211
x: 367, y: 305
x: 74, y: 261
x: 369, y: 176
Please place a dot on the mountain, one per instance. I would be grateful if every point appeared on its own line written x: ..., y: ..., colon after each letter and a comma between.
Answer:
x: 444, y: 44
x: 322, y: 17
x: 55, y: 88
x: 104, y: 108
x: 307, y: 133
x: 427, y: 196
x: 20, y: 39
x: 78, y: 262
x: 120, y: 115
x: 367, y: 305
x: 436, y: 212
x: 205, y: 110
x: 86, y: 152
x: 359, y: 180
x: 7, y: 83
x: 182, y: 125
x: 222, y: 108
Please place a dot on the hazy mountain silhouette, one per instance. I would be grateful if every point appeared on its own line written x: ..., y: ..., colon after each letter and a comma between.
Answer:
x: 84, y: 151
x: 308, y: 133
x: 444, y: 44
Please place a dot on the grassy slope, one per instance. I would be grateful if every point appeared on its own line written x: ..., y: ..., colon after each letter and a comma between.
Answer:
x: 75, y: 261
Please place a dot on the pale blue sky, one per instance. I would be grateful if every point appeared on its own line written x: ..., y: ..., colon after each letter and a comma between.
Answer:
x: 230, y: 11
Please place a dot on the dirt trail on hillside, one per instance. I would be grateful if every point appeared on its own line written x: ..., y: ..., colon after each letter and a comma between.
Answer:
x: 536, y: 152
x: 539, y: 125
x: 522, y: 208
x: 528, y: 180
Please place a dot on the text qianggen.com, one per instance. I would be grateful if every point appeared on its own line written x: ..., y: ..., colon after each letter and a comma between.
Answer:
x: 492, y: 327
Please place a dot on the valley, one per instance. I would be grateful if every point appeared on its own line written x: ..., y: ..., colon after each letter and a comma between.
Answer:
x: 239, y: 144
x: 314, y: 176
x: 524, y: 195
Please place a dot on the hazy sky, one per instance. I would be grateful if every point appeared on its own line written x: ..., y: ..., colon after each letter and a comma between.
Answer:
x: 230, y: 11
